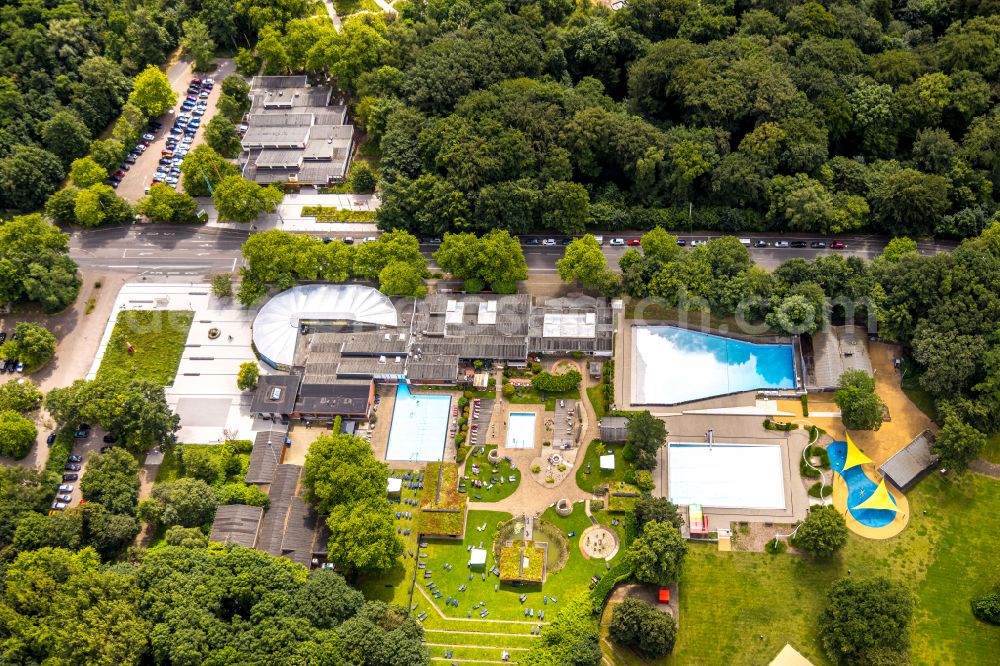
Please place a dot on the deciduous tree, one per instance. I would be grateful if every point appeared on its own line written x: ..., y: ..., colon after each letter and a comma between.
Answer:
x: 823, y: 532
x: 657, y: 554
x: 636, y: 624
x: 112, y: 479
x: 860, y: 406
x: 151, y: 92
x: 33, y: 345
x: 887, y: 607
x: 21, y: 395
x: 246, y: 379
x: 958, y: 444
x: 242, y: 200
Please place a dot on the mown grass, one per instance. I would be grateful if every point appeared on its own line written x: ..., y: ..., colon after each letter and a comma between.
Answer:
x: 393, y: 586
x: 729, y: 600
x: 158, y: 338
x: 504, y: 469
x: 992, y: 450
x: 598, y: 476
x: 596, y: 396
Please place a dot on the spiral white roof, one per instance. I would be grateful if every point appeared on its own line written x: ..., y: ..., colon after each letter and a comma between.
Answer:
x: 276, y: 326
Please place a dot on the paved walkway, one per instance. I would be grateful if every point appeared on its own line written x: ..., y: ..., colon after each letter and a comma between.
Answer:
x: 333, y: 14
x: 530, y: 497
x: 985, y: 468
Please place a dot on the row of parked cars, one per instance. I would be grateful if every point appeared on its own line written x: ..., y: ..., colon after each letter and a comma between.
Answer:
x: 63, y: 492
x: 10, y: 364
x: 634, y: 242
x: 181, y: 135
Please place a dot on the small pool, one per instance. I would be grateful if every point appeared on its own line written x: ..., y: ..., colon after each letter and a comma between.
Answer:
x: 520, y: 430
x: 673, y: 365
x: 740, y: 476
x: 419, y: 426
x: 859, y: 488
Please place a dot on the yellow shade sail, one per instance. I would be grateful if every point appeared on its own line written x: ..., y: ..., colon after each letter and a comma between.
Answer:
x: 854, y: 455
x: 880, y: 499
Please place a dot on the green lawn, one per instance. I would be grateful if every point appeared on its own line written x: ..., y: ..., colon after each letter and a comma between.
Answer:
x: 529, y: 396
x: 598, y: 477
x: 170, y: 469
x: 946, y: 556
x: 158, y: 338
x: 596, y: 396
x: 393, y: 586
x: 992, y: 450
x: 504, y: 469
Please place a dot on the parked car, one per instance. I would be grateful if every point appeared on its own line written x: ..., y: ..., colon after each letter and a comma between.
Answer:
x: 51, y: 439
x: 72, y: 467
x: 58, y: 506
x: 203, y: 94
x: 617, y: 242
x: 565, y: 241
x: 82, y: 433
x: 681, y: 242
x: 75, y: 459
x: 781, y: 244
x: 549, y: 241
x: 3, y: 337
x: 64, y: 498
x: 838, y: 245
x: 148, y: 137
x: 434, y: 241
x: 348, y: 240
x: 799, y: 244
x: 20, y: 366
x: 817, y: 245
x: 760, y: 243
x: 66, y: 488
x: 633, y: 242
x: 70, y: 477
x: 532, y: 241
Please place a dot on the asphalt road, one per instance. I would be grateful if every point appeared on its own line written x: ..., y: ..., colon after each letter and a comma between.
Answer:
x: 168, y: 251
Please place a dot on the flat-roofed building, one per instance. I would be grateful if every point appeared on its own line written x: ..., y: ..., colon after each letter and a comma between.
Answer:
x: 294, y: 134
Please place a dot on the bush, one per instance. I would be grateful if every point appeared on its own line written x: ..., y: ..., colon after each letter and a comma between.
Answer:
x: 596, y: 505
x: 644, y: 480
x: 805, y: 404
x: 775, y: 546
x: 241, y: 445
x: 781, y: 427
x: 619, y: 573
x: 536, y: 469
x: 241, y: 493
x: 461, y: 453
x: 816, y: 488
x: 630, y: 476
x: 806, y: 471
x: 987, y: 608
x: 548, y: 383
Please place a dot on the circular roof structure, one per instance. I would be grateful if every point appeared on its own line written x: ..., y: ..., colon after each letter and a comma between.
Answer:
x: 276, y: 327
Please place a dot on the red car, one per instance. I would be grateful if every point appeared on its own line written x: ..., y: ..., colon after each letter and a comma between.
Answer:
x: 633, y: 242
x: 838, y: 245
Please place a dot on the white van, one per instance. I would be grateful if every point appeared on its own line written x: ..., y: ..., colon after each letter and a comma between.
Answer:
x: 599, y: 239
x: 745, y: 241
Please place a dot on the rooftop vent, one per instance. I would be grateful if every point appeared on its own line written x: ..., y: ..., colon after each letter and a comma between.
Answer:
x: 276, y: 393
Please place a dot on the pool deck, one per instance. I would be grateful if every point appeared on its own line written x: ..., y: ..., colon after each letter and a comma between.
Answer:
x: 733, y: 429
x: 897, y: 525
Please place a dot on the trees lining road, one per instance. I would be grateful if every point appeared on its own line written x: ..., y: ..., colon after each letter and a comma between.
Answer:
x: 156, y: 250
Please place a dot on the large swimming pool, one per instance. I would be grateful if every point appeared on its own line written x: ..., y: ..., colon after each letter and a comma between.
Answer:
x: 726, y: 475
x: 419, y: 426
x: 521, y: 430
x: 671, y: 365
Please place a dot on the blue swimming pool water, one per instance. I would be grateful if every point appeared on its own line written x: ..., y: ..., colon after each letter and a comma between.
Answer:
x: 419, y: 426
x: 673, y: 365
x: 521, y: 430
x: 859, y: 488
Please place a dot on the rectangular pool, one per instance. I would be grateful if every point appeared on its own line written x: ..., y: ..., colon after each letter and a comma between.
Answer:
x: 744, y: 476
x: 520, y: 430
x: 419, y: 426
x: 671, y: 365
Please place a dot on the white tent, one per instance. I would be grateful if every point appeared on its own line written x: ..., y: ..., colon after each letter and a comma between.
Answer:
x: 477, y: 557
x: 608, y: 461
x: 394, y: 486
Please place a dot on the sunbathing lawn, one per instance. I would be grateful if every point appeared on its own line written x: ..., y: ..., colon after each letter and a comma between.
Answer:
x: 947, y: 557
x: 500, y: 490
x: 158, y: 338
x: 596, y: 396
x: 529, y: 396
x: 393, y: 586
x: 597, y: 477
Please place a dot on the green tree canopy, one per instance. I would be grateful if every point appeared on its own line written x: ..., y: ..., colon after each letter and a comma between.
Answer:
x: 21, y: 395
x: 636, y: 624
x: 958, y: 444
x: 657, y: 554
x: 165, y: 204
x: 646, y: 435
x: 242, y: 200
x: 246, y: 379
x: 583, y: 262
x: 185, y: 502
x: 657, y: 509
x: 494, y: 260
x: 860, y: 406
x: 823, y: 532
x: 34, y: 345
x: 151, y: 92
x: 203, y: 169
x: 17, y: 434
x: 112, y: 479
x: 341, y: 469
x: 886, y: 606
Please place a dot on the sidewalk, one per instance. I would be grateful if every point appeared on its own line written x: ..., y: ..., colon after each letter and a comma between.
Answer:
x: 289, y: 215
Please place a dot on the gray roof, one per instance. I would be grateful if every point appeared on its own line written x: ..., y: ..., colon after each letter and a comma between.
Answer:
x: 910, y: 464
x: 272, y: 528
x: 275, y: 394
x: 265, y: 455
x: 614, y: 429
x: 237, y: 524
x: 275, y: 82
x: 343, y: 399
x: 837, y: 349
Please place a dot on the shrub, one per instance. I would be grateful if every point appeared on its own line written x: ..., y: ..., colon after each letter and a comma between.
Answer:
x: 775, y: 546
x: 596, y: 505
x: 806, y: 471
x: 816, y: 488
x: 987, y: 608
x: 241, y: 445
x: 782, y: 427
x: 630, y: 476
x: 549, y: 383
x: 619, y: 573
x: 805, y: 404
x: 819, y: 452
x: 461, y: 453
x: 536, y: 469
x: 644, y: 480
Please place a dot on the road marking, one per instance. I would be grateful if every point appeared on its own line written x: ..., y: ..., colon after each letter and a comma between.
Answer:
x: 123, y: 266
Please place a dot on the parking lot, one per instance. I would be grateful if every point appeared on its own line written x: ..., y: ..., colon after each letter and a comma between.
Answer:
x: 140, y: 175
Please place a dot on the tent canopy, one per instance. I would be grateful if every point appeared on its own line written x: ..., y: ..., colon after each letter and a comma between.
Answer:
x: 880, y: 499
x: 608, y: 461
x: 477, y: 557
x: 854, y: 455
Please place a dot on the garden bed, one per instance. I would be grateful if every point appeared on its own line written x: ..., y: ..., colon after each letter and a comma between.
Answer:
x: 331, y: 214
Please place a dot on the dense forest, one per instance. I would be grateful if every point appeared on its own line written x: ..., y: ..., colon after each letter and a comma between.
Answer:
x: 821, y: 117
